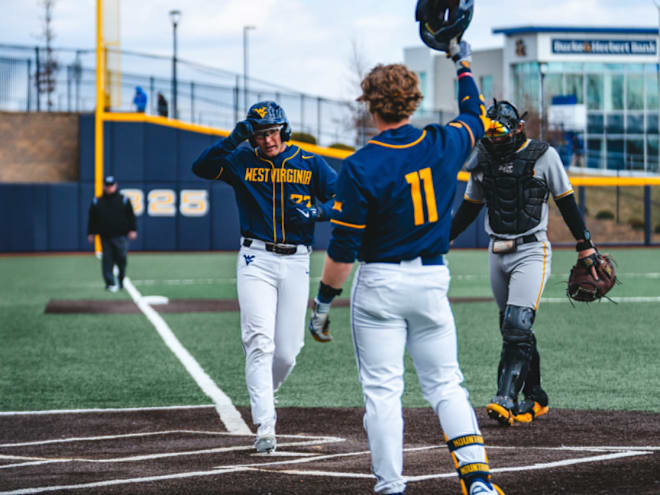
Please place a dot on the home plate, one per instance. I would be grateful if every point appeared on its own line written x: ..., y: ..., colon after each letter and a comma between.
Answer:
x: 279, y: 453
x: 155, y: 300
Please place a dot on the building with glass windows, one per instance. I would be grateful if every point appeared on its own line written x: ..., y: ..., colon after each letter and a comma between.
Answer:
x: 596, y: 89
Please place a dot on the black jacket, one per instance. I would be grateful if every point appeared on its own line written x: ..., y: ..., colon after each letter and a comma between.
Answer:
x: 111, y: 215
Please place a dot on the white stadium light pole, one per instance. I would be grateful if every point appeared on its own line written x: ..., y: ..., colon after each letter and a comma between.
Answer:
x: 245, y: 66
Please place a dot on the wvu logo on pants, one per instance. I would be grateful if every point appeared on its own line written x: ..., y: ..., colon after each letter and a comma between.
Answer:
x: 249, y: 258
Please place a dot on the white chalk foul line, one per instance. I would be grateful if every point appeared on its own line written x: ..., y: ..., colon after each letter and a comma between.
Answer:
x: 149, y: 479
x: 229, y: 415
x: 98, y: 410
x: 302, y: 440
x: 412, y: 479
x: 260, y: 467
x: 652, y: 299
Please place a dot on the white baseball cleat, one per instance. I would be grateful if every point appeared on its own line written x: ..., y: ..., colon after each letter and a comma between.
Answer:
x: 482, y: 488
x: 266, y: 444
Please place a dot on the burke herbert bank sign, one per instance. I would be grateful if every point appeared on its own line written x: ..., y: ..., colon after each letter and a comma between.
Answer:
x: 604, y: 47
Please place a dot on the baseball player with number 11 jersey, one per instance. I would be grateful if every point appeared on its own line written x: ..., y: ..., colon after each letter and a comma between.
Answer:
x: 393, y: 212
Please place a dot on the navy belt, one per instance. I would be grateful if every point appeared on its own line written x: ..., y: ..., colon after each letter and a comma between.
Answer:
x: 431, y: 260
x: 274, y: 248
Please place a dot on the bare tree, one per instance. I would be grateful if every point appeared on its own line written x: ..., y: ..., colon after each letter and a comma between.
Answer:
x: 48, y: 70
x: 360, y: 119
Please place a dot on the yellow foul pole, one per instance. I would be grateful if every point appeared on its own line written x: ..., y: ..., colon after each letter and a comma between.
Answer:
x: 100, y: 108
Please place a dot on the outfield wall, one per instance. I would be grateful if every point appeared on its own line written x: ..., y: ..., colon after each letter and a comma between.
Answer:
x: 152, y: 162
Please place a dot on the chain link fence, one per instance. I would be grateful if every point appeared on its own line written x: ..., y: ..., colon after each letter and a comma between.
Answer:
x: 66, y: 82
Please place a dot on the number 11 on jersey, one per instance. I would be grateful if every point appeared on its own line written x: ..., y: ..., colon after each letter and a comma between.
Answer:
x: 414, y: 178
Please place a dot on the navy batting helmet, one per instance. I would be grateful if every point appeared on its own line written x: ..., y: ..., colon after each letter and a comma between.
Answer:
x: 268, y: 113
x: 440, y: 21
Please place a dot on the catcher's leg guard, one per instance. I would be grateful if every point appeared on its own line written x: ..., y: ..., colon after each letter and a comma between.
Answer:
x: 472, y: 473
x: 517, y: 350
x: 536, y: 400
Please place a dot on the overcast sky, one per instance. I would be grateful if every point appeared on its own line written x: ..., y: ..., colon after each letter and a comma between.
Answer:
x: 300, y: 44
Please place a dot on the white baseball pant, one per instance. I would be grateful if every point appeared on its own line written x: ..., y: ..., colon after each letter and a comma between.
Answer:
x: 394, y: 306
x: 273, y: 292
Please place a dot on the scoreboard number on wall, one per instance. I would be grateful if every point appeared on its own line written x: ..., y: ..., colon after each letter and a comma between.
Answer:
x: 163, y: 202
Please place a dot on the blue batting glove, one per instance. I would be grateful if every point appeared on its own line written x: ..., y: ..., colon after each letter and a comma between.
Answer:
x: 241, y: 132
x: 299, y: 214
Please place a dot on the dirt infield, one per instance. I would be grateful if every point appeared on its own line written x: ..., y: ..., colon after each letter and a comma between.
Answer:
x: 89, y: 306
x: 320, y: 451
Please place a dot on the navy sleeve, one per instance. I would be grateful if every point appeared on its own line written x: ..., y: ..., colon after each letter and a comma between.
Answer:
x: 214, y: 160
x: 326, y: 181
x: 325, y: 187
x: 472, y: 113
x: 349, y: 216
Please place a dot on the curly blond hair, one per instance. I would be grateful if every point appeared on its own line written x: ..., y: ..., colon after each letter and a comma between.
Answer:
x: 391, y: 91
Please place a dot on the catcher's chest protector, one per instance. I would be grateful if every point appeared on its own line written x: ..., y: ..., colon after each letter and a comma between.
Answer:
x: 513, y: 195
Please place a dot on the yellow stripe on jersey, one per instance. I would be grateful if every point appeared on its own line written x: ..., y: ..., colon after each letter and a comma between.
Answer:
x: 272, y: 166
x: 467, y: 128
x: 346, y: 224
x: 563, y: 195
x: 218, y: 176
x: 282, y: 193
x: 399, y: 146
x: 465, y: 197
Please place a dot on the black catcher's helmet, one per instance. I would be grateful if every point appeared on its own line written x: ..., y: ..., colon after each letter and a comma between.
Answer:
x: 505, y: 134
x: 268, y: 113
x: 440, y: 21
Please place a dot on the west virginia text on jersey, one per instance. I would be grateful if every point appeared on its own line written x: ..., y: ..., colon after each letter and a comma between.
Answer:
x: 290, y: 176
x: 267, y: 189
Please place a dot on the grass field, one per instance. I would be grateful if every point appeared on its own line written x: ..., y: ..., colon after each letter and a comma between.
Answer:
x: 598, y: 356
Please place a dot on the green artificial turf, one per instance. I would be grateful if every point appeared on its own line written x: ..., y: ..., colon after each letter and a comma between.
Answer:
x: 597, y: 356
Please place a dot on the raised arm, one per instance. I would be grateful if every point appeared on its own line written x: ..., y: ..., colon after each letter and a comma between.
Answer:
x: 210, y: 164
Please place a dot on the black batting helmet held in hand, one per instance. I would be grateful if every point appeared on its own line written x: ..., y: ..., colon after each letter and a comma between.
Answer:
x: 440, y: 21
x: 268, y: 113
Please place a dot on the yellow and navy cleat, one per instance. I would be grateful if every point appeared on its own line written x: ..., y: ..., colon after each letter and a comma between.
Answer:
x: 529, y: 410
x: 500, y: 409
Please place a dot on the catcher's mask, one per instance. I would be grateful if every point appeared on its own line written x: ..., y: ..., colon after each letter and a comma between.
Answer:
x: 440, y: 21
x: 266, y: 114
x: 505, y: 134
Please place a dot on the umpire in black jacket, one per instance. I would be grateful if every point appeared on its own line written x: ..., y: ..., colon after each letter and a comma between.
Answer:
x: 111, y: 216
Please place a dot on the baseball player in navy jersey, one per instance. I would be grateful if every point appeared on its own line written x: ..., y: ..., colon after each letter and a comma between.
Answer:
x: 281, y: 191
x: 514, y: 176
x: 393, y: 213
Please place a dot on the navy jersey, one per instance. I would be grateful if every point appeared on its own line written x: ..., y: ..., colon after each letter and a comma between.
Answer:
x: 394, y: 195
x: 267, y: 188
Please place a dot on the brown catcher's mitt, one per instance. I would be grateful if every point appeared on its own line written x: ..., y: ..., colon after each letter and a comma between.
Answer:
x: 582, y: 286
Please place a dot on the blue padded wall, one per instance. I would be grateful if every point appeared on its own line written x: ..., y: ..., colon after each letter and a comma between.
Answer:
x: 143, y: 157
x: 225, y: 225
x: 63, y: 217
x: 127, y: 144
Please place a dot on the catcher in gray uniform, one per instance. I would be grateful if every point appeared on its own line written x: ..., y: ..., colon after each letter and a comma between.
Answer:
x: 514, y: 176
